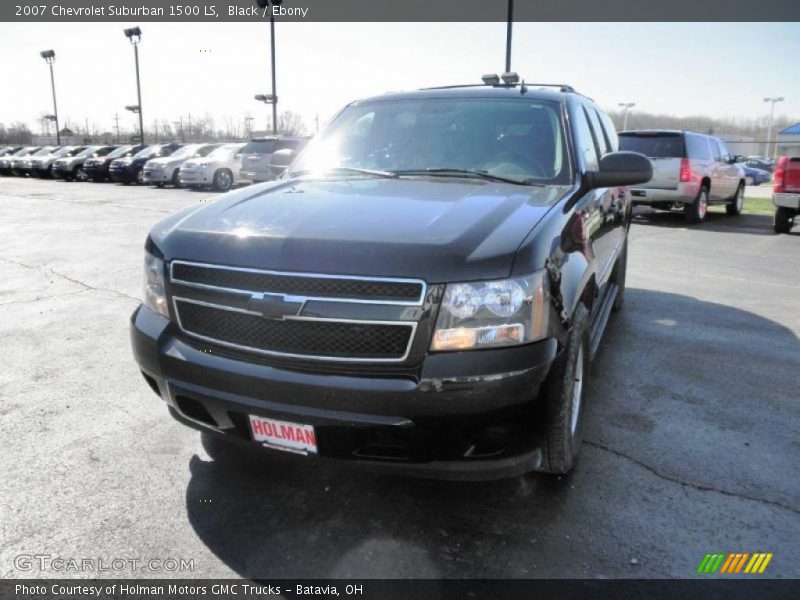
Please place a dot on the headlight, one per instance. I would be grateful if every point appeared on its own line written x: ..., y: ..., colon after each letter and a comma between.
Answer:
x: 491, y: 314
x: 155, y: 297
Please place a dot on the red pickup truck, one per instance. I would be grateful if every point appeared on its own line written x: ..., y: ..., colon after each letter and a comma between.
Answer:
x: 786, y: 193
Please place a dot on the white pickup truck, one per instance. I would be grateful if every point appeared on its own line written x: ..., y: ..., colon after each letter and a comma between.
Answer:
x: 691, y: 171
x: 786, y: 193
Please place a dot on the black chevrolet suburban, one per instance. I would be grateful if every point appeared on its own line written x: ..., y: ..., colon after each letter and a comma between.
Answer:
x: 420, y: 292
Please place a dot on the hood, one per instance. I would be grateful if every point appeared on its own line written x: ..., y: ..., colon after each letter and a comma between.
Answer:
x: 441, y: 230
x: 160, y: 162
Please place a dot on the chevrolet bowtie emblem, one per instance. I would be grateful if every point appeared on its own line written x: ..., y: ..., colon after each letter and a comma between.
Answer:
x: 276, y: 306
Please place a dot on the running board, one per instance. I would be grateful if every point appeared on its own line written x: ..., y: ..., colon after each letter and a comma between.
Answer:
x: 601, y: 319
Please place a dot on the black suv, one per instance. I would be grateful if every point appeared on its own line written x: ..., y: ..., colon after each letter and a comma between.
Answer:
x: 421, y: 291
x: 96, y: 168
x: 130, y: 169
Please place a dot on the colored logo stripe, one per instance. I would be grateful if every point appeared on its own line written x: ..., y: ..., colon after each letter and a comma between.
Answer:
x: 734, y: 562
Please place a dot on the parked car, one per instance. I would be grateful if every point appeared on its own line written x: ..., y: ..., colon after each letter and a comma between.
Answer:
x: 42, y: 166
x: 6, y: 150
x: 131, y: 169
x: 220, y: 169
x: 753, y: 176
x: 70, y: 168
x: 96, y: 167
x: 164, y: 170
x: 786, y: 193
x: 21, y: 165
x: 756, y: 162
x: 691, y: 170
x: 5, y: 162
x: 422, y: 291
x: 256, y: 156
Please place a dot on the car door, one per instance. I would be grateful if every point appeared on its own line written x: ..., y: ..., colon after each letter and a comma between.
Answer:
x: 725, y: 174
x: 596, y: 208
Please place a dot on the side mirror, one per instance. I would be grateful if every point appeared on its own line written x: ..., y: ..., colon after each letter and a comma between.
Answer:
x: 279, y: 160
x: 621, y: 168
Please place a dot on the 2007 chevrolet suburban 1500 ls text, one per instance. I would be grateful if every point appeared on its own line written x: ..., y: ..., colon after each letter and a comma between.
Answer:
x: 421, y: 291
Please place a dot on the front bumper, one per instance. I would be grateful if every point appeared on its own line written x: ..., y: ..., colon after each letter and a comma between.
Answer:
x: 787, y: 200
x: 124, y: 175
x: 255, y: 176
x: 470, y: 415
x: 155, y: 176
x: 61, y: 171
x: 194, y: 177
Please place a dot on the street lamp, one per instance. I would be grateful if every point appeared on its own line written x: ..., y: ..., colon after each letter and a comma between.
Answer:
x: 627, y: 106
x: 134, y: 35
x: 49, y: 57
x: 773, y: 102
x: 265, y: 4
x: 509, y: 25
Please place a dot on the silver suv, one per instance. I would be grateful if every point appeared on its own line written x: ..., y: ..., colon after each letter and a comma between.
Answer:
x: 257, y: 153
x: 691, y: 170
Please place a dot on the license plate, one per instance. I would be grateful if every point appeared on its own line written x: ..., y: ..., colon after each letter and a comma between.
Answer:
x: 284, y: 435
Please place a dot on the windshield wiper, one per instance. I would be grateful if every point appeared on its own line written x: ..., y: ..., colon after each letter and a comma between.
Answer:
x: 465, y: 172
x: 372, y: 172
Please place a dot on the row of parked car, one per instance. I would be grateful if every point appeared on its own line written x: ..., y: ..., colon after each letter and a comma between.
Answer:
x: 218, y: 165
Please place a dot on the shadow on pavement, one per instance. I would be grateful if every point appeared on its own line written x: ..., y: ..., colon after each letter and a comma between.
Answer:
x: 268, y: 515
x: 714, y: 221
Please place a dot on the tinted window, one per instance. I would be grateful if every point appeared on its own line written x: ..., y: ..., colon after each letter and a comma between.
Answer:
x: 259, y: 147
x: 600, y: 136
x: 585, y: 141
x: 697, y: 147
x: 519, y: 139
x: 724, y: 153
x: 610, y: 131
x: 653, y: 145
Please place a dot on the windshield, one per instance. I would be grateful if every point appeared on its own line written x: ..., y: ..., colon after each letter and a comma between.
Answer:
x: 45, y: 150
x: 88, y: 152
x: 121, y: 151
x: 186, y: 151
x: 224, y: 152
x: 517, y: 139
x: 148, y: 152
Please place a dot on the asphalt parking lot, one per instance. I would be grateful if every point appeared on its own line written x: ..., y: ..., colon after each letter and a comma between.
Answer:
x: 693, y: 435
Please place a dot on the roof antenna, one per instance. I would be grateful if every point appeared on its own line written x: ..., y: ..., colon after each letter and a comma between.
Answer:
x: 522, y: 88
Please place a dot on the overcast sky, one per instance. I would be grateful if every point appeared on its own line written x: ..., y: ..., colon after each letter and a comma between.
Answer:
x: 216, y: 68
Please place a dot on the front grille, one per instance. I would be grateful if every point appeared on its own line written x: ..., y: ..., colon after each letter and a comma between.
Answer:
x: 381, y: 291
x: 311, y: 338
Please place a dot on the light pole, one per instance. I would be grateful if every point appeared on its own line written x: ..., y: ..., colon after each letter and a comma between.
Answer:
x: 627, y: 106
x: 773, y: 102
x: 49, y: 57
x: 265, y: 4
x: 509, y: 26
x: 134, y: 35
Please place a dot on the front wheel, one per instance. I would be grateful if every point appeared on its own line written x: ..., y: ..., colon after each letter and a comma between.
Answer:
x: 565, y: 397
x: 176, y: 182
x: 223, y: 180
x: 735, y: 206
x: 140, y: 177
x: 749, y: 180
x: 696, y: 211
x: 784, y: 219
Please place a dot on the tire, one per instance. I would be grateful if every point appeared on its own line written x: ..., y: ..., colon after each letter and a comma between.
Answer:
x: 620, y: 275
x: 140, y: 177
x: 696, y: 211
x: 80, y: 174
x: 784, y: 219
x: 176, y: 182
x: 223, y: 180
x: 565, y: 399
x: 735, y: 206
x: 749, y: 180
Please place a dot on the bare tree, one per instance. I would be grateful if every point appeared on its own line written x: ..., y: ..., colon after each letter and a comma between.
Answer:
x: 291, y: 123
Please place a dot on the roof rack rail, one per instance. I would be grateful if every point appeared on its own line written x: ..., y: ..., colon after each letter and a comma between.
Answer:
x: 562, y: 87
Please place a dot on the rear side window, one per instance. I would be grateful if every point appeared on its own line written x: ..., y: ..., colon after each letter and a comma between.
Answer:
x: 697, y: 147
x: 284, y: 144
x: 259, y: 147
x: 655, y: 145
